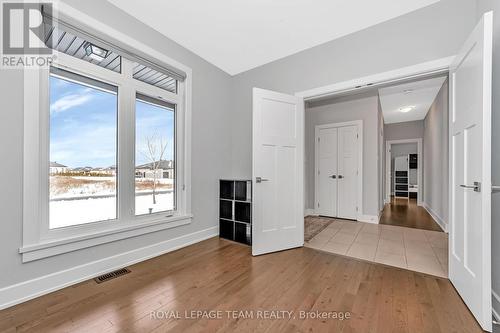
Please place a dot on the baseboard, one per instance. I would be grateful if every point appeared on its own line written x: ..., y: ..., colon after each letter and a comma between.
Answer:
x: 436, y: 217
x: 309, y: 212
x: 496, y: 305
x: 368, y: 218
x: 27, y: 290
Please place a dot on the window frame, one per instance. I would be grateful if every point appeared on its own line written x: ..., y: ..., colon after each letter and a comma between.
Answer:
x: 39, y: 241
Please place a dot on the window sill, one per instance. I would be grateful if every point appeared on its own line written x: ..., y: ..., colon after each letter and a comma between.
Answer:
x: 51, y: 248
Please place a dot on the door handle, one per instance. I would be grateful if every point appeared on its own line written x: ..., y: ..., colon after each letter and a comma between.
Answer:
x: 340, y: 176
x: 495, y: 188
x: 260, y: 179
x: 476, y: 187
x: 333, y: 176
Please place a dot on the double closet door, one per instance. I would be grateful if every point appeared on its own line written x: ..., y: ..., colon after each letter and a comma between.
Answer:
x: 337, y: 171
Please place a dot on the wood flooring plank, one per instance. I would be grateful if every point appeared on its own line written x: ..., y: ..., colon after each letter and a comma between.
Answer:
x: 217, y: 275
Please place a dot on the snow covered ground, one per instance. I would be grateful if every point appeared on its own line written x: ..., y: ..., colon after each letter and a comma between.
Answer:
x: 65, y: 213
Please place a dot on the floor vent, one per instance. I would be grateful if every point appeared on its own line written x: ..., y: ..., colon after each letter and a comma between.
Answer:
x: 111, y: 275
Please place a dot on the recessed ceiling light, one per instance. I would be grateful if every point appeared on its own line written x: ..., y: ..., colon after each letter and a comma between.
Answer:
x: 407, y: 91
x: 406, y: 109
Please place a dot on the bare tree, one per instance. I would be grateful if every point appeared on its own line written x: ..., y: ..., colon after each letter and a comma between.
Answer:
x: 154, y: 153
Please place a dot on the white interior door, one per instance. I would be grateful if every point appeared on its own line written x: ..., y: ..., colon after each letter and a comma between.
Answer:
x: 347, y: 172
x: 327, y: 151
x: 278, y: 167
x: 470, y: 174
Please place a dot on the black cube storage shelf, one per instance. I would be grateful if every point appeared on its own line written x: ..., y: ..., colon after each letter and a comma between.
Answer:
x: 235, y: 210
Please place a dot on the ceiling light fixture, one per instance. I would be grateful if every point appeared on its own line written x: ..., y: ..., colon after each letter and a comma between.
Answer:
x: 95, y: 52
x: 406, y: 109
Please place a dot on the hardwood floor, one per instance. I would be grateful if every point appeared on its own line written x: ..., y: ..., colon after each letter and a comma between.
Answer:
x: 406, y: 213
x: 220, y: 275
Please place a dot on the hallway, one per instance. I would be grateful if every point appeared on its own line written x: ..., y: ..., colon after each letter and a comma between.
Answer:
x: 406, y: 213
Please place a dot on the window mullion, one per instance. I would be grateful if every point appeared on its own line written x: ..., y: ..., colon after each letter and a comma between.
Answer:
x: 126, y: 146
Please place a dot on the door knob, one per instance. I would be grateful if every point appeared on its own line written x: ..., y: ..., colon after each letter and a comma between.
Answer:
x: 340, y: 176
x: 333, y: 176
x: 260, y: 179
x: 476, y: 187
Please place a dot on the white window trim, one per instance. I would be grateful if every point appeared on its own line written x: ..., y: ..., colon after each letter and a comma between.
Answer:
x: 38, y: 241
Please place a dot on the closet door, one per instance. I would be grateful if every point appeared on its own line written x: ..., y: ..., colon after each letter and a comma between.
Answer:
x: 326, y: 204
x: 347, y: 172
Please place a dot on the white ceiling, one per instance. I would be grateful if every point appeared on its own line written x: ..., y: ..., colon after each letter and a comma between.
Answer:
x: 239, y: 35
x: 422, y: 94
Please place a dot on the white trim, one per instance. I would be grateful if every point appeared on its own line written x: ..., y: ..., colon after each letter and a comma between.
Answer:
x: 439, y: 220
x: 371, y: 81
x: 38, y: 240
x: 30, y: 289
x: 359, y: 194
x: 388, y: 145
x: 496, y: 300
x: 46, y: 249
x: 310, y: 212
x: 369, y: 219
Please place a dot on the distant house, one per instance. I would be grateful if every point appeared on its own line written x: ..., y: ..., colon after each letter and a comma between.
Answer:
x: 164, y: 169
x: 56, y: 168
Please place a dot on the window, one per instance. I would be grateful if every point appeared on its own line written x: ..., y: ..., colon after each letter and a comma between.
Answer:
x: 83, y: 150
x: 106, y: 145
x: 154, y: 156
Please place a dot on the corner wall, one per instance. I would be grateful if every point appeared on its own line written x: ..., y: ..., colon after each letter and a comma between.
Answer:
x: 435, y: 160
x: 211, y: 160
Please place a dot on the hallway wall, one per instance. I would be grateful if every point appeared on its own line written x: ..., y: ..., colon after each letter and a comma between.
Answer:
x: 435, y: 151
x: 357, y: 107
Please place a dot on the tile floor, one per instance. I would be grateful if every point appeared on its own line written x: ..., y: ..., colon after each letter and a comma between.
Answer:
x: 415, y: 249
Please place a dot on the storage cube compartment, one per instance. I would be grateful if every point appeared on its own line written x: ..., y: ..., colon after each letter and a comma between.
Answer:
x: 413, y: 161
x: 226, y: 190
x: 243, y: 233
x: 242, y: 190
x: 402, y: 187
x: 242, y: 211
x: 402, y: 194
x: 226, y: 229
x: 235, y: 210
x: 226, y: 209
x: 402, y: 174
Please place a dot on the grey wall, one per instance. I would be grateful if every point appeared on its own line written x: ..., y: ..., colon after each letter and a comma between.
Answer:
x: 482, y: 7
x: 403, y: 131
x: 358, y: 107
x: 436, y: 155
x: 380, y: 155
x: 426, y: 34
x: 211, y: 153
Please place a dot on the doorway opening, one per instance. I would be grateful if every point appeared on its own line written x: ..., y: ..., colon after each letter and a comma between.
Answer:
x: 391, y: 217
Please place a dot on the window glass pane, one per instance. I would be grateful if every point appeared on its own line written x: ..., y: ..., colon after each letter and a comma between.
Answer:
x: 154, y: 156
x: 83, y: 150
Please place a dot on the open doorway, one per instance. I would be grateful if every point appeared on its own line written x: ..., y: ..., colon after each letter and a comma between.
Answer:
x: 396, y: 217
